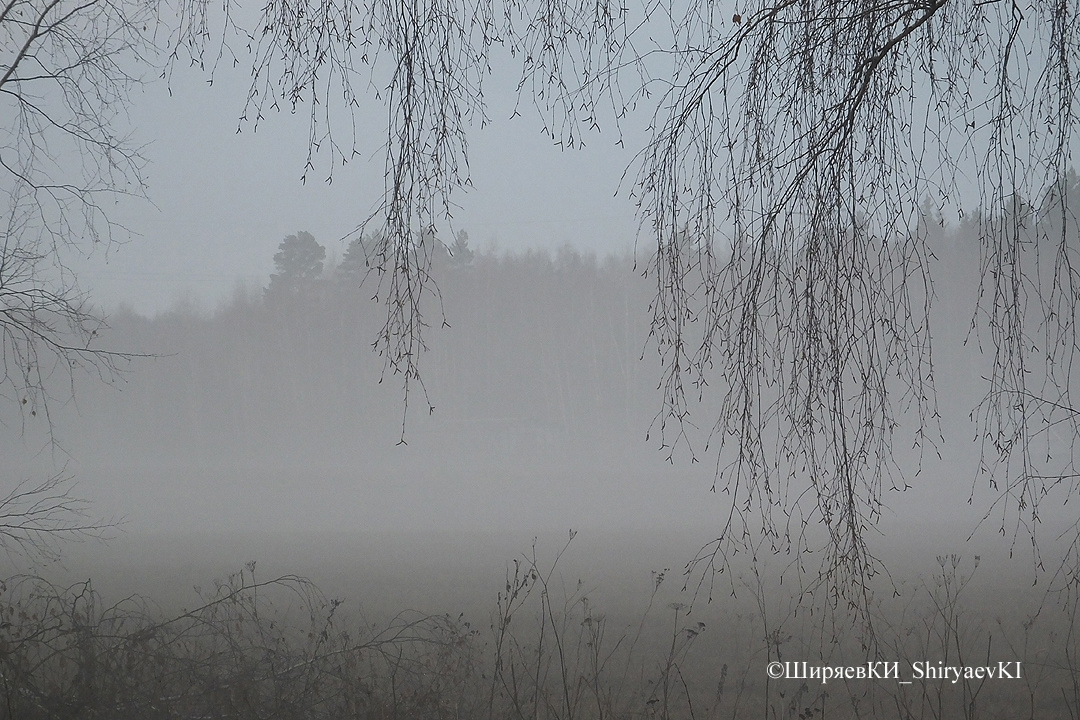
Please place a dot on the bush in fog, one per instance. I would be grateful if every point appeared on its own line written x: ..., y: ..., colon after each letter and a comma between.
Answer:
x: 252, y: 649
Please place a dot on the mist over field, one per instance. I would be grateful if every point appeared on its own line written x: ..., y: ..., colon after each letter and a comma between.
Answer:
x: 456, y: 360
x: 538, y: 412
x: 266, y: 431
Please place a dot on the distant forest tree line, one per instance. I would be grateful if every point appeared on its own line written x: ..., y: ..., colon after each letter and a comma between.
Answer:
x: 532, y: 356
x: 525, y: 352
x: 300, y: 260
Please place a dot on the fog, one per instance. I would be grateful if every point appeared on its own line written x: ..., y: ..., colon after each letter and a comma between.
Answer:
x: 261, y: 431
x: 242, y: 477
x: 246, y: 417
x: 271, y: 418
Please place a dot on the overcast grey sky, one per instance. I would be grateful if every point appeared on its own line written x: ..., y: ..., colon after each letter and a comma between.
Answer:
x: 223, y: 201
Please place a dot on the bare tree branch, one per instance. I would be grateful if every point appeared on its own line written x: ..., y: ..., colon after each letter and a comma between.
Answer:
x: 37, y: 519
x: 66, y: 68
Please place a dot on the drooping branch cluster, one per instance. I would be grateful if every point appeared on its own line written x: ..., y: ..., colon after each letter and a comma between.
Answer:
x: 429, y: 60
x: 782, y: 188
x: 427, y: 63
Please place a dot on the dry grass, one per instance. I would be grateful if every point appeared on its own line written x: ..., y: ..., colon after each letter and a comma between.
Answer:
x: 280, y: 649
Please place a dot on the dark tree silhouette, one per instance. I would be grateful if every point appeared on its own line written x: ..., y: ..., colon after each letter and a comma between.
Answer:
x: 460, y: 252
x: 299, y: 263
x: 354, y: 264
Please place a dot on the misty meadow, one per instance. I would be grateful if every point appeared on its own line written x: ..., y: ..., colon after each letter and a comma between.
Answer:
x: 295, y: 536
x: 750, y: 394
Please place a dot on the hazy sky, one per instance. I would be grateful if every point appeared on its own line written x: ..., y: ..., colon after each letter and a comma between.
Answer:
x: 223, y: 201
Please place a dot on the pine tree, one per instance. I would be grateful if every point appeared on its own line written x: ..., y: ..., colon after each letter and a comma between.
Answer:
x: 299, y: 263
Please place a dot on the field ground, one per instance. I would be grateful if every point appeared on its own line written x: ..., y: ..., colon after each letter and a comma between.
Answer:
x: 437, y: 625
